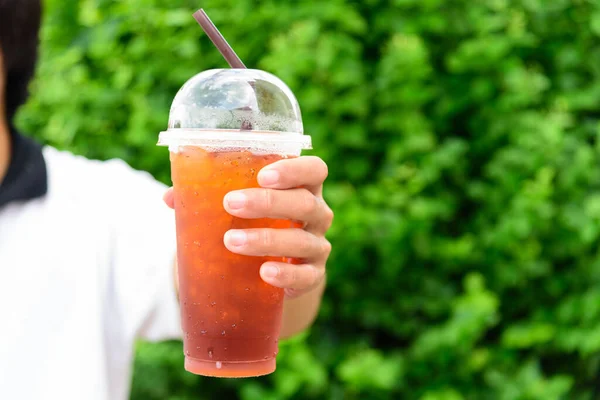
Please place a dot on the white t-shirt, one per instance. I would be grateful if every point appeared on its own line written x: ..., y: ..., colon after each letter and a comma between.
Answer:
x: 84, y: 271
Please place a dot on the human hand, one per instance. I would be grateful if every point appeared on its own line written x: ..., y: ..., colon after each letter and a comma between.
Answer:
x: 289, y: 189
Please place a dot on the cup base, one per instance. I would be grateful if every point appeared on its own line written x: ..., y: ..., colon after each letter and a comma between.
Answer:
x: 223, y: 369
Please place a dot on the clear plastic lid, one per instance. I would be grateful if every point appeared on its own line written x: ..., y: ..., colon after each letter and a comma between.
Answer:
x: 236, y: 108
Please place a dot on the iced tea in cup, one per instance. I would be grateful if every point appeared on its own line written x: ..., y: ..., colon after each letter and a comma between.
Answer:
x: 224, y: 127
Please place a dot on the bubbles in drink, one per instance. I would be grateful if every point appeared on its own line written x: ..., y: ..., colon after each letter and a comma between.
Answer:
x: 210, y: 352
x: 203, y: 332
x: 219, y: 365
x: 223, y: 333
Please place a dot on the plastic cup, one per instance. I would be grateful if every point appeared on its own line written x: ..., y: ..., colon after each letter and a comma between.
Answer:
x: 224, y: 127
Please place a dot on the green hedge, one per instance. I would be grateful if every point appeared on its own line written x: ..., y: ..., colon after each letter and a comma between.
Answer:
x: 463, y: 139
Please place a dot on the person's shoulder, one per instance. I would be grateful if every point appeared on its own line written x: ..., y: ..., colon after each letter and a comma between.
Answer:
x: 79, y: 177
x: 68, y: 163
x: 65, y: 165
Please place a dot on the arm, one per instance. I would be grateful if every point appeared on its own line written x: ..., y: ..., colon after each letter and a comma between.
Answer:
x: 299, y: 313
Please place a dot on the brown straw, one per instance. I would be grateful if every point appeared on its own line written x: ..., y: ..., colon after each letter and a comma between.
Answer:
x: 219, y: 41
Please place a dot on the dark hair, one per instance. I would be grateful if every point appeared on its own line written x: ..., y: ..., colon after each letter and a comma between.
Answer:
x: 19, y: 37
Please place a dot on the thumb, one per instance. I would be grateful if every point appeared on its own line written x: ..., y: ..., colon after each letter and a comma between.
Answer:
x: 169, y: 199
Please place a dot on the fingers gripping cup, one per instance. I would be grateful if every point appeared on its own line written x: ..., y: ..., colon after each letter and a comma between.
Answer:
x: 224, y: 127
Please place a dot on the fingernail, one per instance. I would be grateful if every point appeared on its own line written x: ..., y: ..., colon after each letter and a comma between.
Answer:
x: 268, y: 177
x: 236, y: 200
x: 270, y: 271
x: 236, y: 238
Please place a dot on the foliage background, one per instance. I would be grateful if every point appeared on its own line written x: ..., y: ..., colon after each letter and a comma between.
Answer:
x: 463, y: 140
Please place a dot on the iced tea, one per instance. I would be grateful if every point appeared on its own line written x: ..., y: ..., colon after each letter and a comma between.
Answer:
x: 231, y: 318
